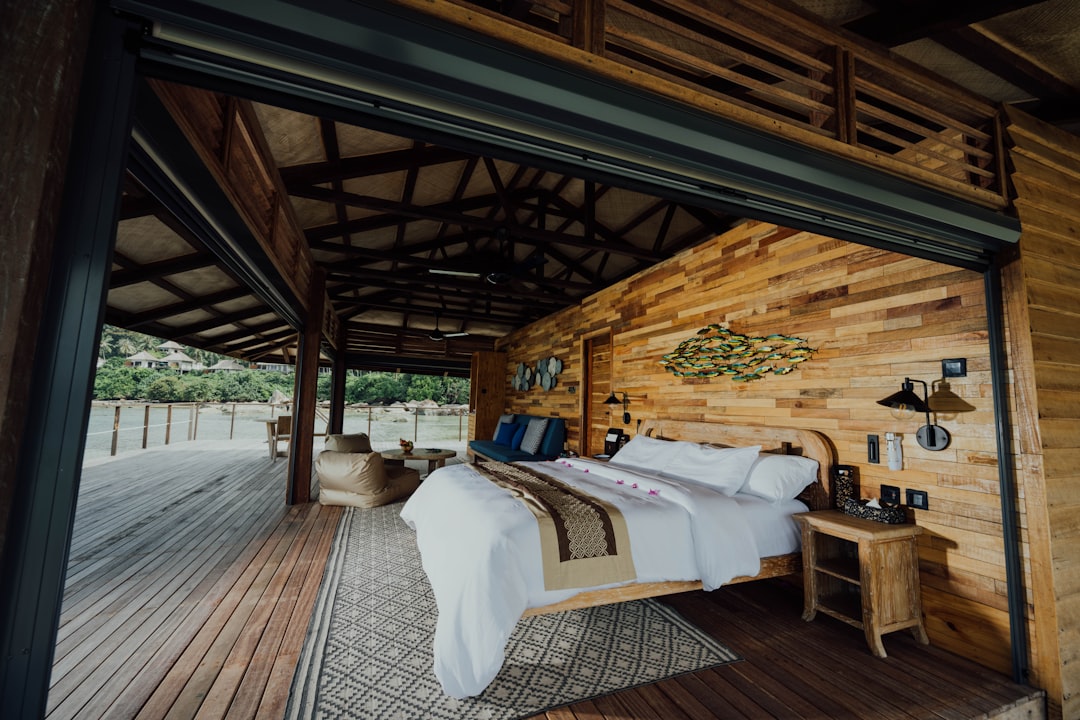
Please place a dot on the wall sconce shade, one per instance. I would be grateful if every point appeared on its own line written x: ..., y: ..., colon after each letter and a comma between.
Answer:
x: 625, y: 402
x: 906, y: 403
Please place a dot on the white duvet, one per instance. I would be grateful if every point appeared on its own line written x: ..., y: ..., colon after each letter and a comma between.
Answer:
x: 481, y: 550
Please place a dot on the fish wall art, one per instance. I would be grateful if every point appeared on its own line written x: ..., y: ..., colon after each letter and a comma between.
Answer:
x: 716, y: 351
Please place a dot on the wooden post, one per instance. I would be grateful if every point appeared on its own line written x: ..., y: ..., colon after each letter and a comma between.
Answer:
x: 298, y: 482
x: 588, y: 33
x: 195, y: 423
x: 145, y: 424
x: 844, y: 87
x: 232, y: 421
x: 337, y: 385
x: 168, y: 423
x: 115, y: 430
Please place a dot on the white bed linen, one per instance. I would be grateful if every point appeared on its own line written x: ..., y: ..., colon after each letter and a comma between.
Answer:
x: 480, y: 549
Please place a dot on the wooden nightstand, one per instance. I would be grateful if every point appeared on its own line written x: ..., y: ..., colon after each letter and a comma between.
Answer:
x: 862, y: 572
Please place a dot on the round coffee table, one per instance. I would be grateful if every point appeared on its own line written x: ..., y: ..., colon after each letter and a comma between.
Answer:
x: 435, y: 457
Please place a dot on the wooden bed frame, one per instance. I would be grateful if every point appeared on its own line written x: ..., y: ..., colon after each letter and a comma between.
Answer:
x: 787, y: 441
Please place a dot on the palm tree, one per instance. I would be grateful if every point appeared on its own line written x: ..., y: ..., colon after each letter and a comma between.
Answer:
x: 127, y: 347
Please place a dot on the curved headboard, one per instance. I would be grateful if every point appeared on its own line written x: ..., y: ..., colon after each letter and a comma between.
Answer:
x: 782, y: 440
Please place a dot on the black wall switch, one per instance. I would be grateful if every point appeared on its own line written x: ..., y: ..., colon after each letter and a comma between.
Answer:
x: 918, y: 499
x: 873, y: 454
x: 890, y: 494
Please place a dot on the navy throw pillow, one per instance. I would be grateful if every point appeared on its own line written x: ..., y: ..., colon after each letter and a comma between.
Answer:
x: 505, y: 436
x: 516, y: 442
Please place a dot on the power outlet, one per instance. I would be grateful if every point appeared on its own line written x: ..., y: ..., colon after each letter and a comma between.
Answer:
x: 890, y: 495
x: 873, y: 453
x: 918, y: 499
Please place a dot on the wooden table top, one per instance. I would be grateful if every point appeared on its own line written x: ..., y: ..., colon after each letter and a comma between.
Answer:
x: 418, y: 454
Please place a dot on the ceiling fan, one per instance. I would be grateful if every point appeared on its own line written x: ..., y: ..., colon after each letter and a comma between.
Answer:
x: 499, y: 272
x: 438, y: 335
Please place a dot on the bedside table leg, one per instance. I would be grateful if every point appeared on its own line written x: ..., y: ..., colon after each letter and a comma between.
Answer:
x: 873, y: 639
x: 809, y: 553
x: 919, y: 633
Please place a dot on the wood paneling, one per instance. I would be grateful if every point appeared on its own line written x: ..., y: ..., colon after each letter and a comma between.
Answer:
x: 1043, y: 286
x: 875, y: 317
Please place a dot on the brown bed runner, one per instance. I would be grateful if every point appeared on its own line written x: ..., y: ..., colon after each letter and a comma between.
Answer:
x: 583, y: 540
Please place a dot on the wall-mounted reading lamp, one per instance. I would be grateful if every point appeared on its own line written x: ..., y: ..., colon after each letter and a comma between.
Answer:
x: 906, y: 403
x: 612, y: 400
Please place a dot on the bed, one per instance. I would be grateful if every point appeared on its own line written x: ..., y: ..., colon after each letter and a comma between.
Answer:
x: 481, y: 548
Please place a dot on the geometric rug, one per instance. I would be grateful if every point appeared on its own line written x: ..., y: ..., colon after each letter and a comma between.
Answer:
x: 368, y: 652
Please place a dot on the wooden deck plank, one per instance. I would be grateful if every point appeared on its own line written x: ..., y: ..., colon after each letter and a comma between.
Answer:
x: 229, y: 593
x: 272, y: 704
x: 218, y: 634
x: 138, y: 611
x: 201, y: 682
x: 94, y: 625
x: 262, y: 630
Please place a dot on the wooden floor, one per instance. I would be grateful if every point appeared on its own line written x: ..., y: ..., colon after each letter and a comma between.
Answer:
x: 190, y: 586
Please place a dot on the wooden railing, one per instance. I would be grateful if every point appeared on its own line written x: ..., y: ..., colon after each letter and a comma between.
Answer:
x: 771, y: 68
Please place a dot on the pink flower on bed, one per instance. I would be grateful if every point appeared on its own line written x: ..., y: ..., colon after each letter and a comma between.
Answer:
x: 619, y: 482
x: 634, y: 486
x: 654, y: 492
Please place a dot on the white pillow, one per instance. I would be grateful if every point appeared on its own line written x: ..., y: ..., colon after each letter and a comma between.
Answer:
x: 723, y: 469
x: 780, y: 477
x: 646, y: 453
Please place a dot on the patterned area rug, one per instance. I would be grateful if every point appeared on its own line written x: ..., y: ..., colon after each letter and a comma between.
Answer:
x: 368, y: 653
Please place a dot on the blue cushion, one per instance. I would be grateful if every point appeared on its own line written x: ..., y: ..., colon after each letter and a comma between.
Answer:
x: 552, y: 444
x: 515, y: 444
x: 505, y: 435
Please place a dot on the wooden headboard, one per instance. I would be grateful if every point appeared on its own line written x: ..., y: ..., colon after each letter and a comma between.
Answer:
x: 789, y: 441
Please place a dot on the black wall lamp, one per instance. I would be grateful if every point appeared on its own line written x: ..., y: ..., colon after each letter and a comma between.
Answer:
x: 612, y: 400
x: 906, y: 403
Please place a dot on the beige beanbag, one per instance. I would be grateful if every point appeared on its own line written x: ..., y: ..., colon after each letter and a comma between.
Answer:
x: 355, y: 443
x: 361, y: 480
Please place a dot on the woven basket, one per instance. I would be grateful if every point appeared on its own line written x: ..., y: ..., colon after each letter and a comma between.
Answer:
x: 893, y: 515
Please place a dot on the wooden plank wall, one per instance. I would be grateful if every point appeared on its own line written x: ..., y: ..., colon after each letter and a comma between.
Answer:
x: 1044, y: 295
x: 875, y: 317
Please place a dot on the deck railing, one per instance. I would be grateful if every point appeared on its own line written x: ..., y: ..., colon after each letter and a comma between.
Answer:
x: 117, y: 427
x: 770, y: 67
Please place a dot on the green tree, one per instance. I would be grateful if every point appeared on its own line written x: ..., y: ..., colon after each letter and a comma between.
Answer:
x: 166, y: 387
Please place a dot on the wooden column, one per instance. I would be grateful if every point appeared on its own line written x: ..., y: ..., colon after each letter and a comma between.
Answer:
x: 298, y: 482
x: 67, y: 199
x: 487, y: 392
x: 337, y: 386
x: 40, y: 84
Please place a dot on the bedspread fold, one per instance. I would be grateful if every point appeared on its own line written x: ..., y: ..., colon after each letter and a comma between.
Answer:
x: 583, y: 540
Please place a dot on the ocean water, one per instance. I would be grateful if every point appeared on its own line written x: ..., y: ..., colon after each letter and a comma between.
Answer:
x: 385, y: 426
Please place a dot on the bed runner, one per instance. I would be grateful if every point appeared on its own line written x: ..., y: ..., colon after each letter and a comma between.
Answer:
x: 583, y: 540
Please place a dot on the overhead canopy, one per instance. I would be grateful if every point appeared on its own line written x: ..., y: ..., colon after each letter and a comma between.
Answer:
x: 454, y: 188
x: 394, y: 68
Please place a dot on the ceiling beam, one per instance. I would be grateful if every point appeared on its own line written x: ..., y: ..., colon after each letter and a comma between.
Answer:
x: 134, y: 321
x: 895, y: 23
x: 357, y: 166
x: 611, y: 244
x: 150, y: 272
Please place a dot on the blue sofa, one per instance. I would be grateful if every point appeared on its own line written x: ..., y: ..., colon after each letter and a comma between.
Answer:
x: 550, y: 447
